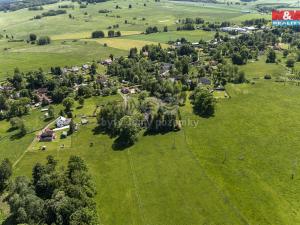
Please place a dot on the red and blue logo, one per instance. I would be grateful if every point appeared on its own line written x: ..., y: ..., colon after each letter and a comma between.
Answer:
x: 286, y: 18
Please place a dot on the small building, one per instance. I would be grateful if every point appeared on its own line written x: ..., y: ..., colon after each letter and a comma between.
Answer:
x: 62, y: 122
x: 47, y: 136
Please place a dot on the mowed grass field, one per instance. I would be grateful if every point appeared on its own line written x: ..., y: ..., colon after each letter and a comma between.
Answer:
x: 238, y: 167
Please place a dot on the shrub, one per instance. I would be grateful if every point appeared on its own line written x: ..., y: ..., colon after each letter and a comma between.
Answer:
x: 268, y: 77
x: 45, y: 40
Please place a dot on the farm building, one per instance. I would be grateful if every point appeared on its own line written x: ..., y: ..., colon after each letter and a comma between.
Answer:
x: 47, y: 135
x: 62, y: 122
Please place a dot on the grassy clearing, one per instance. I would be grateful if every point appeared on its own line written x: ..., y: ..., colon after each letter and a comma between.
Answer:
x: 228, y: 169
x: 258, y: 69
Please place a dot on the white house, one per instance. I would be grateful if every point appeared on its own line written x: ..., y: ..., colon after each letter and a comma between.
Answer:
x: 62, y: 122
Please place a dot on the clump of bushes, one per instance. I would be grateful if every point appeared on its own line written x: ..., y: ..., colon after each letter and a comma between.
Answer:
x: 98, y: 34
x: 268, y: 77
x: 45, y: 40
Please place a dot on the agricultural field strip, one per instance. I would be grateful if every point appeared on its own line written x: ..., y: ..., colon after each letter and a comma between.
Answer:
x: 214, y: 185
x: 135, y: 184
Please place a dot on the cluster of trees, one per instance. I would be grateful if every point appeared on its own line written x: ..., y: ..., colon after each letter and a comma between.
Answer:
x: 51, y: 12
x: 197, y: 20
x: 104, y: 11
x: 187, y: 26
x: 119, y: 120
x: 112, y: 33
x: 43, y: 40
x: 126, y: 121
x: 242, y: 48
x: 203, y: 102
x: 5, y: 174
x: 101, y: 34
x: 256, y: 22
x: 150, y: 30
x: 18, y: 124
x: 66, y: 6
x: 53, y: 196
x: 35, y: 8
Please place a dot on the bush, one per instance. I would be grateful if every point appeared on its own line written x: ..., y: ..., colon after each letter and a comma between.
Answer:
x: 268, y: 77
x: 44, y: 40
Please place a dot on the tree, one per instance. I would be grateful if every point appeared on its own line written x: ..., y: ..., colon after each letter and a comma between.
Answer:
x: 93, y: 69
x: 118, y: 34
x: 285, y: 53
x: 68, y: 103
x: 51, y: 112
x: 54, y: 196
x: 204, y: 102
x: 128, y: 130
x: 111, y: 33
x: 5, y: 173
x: 32, y: 37
x: 271, y: 56
x: 81, y: 101
x: 72, y: 127
x: 98, y: 34
x: 16, y: 123
x: 133, y: 53
x: 45, y: 40
x: 290, y: 62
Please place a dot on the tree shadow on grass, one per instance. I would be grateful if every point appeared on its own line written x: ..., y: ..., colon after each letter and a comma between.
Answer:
x: 48, y: 119
x: 11, y: 129
x: 17, y: 136
x: 121, y: 144
x: 99, y: 130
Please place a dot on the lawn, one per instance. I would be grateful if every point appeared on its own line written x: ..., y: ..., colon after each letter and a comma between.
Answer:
x: 228, y: 169
x: 258, y: 69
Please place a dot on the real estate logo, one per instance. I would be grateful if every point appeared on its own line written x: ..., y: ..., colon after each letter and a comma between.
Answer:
x: 286, y: 17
